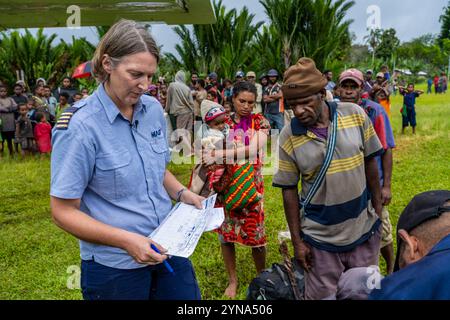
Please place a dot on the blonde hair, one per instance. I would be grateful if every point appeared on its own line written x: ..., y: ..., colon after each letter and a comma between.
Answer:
x: 124, y: 38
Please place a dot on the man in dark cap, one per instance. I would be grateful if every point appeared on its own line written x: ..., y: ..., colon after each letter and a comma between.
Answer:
x: 273, y: 100
x: 239, y: 76
x: 339, y: 227
x: 423, y: 251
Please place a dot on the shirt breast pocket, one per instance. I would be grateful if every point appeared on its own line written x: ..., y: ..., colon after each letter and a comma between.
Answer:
x: 160, y: 157
x: 112, y: 175
x: 159, y: 145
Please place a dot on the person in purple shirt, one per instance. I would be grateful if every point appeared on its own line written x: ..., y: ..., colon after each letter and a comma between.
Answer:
x: 351, y: 88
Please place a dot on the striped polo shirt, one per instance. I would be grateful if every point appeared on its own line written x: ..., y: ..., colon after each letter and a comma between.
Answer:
x: 339, y: 216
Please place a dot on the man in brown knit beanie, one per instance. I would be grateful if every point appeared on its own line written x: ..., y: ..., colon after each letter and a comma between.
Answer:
x: 340, y: 227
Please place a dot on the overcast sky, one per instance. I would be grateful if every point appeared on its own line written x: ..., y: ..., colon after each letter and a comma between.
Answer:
x: 411, y: 18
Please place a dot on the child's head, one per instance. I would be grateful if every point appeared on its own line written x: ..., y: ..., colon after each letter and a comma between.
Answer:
x: 218, y: 123
x: 39, y: 90
x: 153, y: 90
x: 40, y: 117
x: 63, y: 98
x: 18, y: 89
x: 213, y: 114
x: 77, y: 97
x: 200, y: 84
x: 410, y: 87
x: 67, y: 82
x: 212, y: 95
x: 163, y: 88
x: 31, y: 104
x: 23, y: 109
x: 85, y: 92
x: 228, y: 106
x: 3, y: 91
x: 227, y: 84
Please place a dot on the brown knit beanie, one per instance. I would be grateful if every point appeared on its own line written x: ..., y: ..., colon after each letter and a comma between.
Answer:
x: 303, y: 80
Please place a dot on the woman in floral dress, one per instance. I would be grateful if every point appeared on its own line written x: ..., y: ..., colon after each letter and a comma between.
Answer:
x: 244, y: 226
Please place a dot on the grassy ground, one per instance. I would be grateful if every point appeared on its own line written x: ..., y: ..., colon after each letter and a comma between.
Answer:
x: 39, y: 261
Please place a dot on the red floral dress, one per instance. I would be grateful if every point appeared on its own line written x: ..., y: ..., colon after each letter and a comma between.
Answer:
x: 246, y: 226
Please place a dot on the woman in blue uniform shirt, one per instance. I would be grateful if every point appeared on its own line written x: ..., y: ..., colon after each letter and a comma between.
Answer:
x: 110, y: 187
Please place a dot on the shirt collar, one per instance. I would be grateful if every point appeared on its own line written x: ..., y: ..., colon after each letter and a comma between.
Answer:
x: 110, y: 107
x: 299, y: 130
x: 442, y: 245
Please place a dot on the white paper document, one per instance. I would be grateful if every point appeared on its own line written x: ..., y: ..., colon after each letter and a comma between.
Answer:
x: 180, y: 232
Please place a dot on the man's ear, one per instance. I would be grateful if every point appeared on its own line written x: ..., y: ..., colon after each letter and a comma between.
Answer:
x: 411, y: 246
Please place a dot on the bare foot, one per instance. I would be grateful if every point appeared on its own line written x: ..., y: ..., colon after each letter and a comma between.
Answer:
x: 231, y: 290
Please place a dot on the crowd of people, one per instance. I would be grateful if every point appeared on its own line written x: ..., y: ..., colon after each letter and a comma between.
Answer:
x: 28, y: 116
x: 181, y: 100
x: 440, y: 84
x: 334, y: 170
x: 255, y: 107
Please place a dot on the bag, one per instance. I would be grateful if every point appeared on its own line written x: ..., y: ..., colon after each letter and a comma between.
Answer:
x: 404, y: 111
x: 242, y: 191
x: 285, y: 281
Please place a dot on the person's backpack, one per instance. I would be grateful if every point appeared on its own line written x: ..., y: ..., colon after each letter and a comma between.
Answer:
x: 283, y: 281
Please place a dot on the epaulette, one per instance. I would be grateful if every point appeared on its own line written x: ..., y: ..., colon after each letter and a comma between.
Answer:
x: 64, y: 119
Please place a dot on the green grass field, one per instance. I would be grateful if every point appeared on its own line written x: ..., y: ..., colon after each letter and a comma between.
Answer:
x: 40, y: 261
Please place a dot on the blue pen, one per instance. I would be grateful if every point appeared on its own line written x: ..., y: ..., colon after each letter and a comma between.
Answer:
x: 166, y: 264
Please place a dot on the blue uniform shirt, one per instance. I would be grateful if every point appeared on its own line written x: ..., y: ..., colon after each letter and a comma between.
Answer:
x: 426, y: 279
x: 117, y: 170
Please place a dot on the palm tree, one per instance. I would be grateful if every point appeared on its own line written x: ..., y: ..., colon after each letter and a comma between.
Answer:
x: 71, y: 55
x: 222, y: 47
x: 270, y: 49
x: 37, y: 57
x: 327, y: 31
x: 32, y: 54
x: 236, y: 53
x: 313, y: 28
x: 286, y: 16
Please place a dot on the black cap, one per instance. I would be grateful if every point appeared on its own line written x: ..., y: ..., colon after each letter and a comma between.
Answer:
x: 423, y: 207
